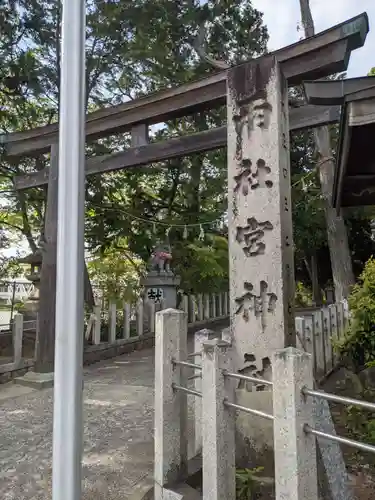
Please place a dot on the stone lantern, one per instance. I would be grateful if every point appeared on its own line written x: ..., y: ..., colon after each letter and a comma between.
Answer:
x: 31, y: 305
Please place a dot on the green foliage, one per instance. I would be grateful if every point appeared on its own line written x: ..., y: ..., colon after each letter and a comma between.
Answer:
x: 116, y: 272
x: 246, y: 483
x: 358, y: 345
x: 372, y: 72
x: 303, y: 295
x: 202, y: 265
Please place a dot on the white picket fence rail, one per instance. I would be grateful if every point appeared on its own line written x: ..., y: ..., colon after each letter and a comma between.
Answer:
x: 134, y: 320
x: 316, y: 330
x: 317, y: 333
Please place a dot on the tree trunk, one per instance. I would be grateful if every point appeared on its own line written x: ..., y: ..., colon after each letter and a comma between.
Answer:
x: 341, y: 262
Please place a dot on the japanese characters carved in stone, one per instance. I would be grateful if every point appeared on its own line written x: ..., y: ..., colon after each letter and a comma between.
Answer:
x: 256, y: 113
x: 251, y: 369
x: 251, y: 236
x: 257, y: 304
x: 252, y: 177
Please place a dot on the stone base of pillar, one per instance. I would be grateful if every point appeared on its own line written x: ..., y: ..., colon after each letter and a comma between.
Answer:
x: 36, y: 380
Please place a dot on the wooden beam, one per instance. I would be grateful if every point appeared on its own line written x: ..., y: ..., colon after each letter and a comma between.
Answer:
x: 315, y: 57
x: 312, y: 116
x: 334, y: 91
x: 300, y: 118
x: 143, y: 155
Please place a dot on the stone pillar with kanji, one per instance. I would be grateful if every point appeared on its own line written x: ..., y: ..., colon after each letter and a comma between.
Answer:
x: 161, y: 284
x: 260, y: 232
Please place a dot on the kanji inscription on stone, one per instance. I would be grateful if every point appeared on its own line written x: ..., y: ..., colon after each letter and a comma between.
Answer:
x: 243, y: 179
x: 255, y: 113
x: 260, y: 175
x: 251, y: 369
x: 252, y: 176
x: 252, y: 236
x: 259, y: 305
x: 155, y: 294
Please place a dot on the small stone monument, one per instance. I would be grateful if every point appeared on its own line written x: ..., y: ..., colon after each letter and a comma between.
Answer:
x: 161, y: 283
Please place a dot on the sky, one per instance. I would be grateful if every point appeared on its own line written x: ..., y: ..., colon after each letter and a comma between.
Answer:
x: 282, y: 18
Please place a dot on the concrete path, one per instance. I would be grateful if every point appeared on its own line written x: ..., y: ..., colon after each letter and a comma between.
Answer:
x: 118, y: 427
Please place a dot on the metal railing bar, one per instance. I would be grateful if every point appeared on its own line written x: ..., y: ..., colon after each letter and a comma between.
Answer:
x: 176, y: 387
x: 248, y: 410
x: 187, y: 364
x: 339, y: 439
x: 255, y: 380
x: 339, y: 399
x: 197, y: 375
x: 193, y: 354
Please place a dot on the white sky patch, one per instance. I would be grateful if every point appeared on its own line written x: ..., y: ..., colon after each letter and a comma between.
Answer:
x: 283, y: 16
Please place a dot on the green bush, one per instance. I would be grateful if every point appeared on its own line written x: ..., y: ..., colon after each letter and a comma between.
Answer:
x: 358, y: 345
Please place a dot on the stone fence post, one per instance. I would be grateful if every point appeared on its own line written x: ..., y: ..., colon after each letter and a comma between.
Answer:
x: 17, y: 339
x: 218, y: 424
x: 295, y: 450
x: 200, y: 338
x: 170, y: 405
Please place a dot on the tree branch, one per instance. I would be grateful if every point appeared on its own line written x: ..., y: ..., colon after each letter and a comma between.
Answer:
x: 199, y: 46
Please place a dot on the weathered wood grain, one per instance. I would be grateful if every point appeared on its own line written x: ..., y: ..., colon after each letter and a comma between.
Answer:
x: 300, y: 118
x: 45, y: 347
x: 333, y: 91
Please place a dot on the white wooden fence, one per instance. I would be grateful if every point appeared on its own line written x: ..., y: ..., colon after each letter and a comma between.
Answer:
x: 134, y: 320
x: 317, y: 333
x: 316, y: 330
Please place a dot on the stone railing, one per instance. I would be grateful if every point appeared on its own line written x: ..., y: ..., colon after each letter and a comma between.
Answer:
x: 207, y: 377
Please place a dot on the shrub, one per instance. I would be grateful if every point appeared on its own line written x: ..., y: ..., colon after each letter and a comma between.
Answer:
x: 358, y: 345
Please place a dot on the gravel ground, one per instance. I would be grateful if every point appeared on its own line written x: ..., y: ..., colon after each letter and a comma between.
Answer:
x: 118, y: 426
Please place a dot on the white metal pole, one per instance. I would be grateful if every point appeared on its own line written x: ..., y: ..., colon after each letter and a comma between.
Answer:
x: 67, y: 419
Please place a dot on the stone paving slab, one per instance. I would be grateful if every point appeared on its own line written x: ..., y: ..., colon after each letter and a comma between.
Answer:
x: 118, y: 427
